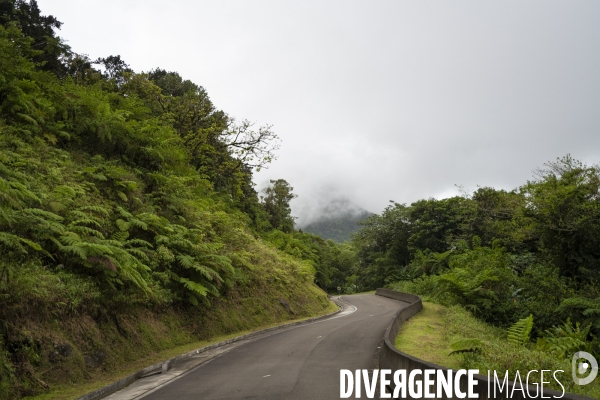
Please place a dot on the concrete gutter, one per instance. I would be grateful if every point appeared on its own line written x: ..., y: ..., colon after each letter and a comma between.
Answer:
x: 164, y: 366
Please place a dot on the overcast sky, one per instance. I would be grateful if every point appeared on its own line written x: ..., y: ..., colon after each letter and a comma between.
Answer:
x: 375, y: 100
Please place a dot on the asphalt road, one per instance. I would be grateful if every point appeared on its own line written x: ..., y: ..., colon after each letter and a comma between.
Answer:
x: 303, y: 362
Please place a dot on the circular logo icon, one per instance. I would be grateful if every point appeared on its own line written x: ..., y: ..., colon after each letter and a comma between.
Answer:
x: 581, y: 367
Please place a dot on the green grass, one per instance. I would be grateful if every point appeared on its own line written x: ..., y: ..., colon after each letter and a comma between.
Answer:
x: 428, y: 336
x: 424, y: 336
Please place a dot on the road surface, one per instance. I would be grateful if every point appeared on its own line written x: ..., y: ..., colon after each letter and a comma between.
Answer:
x: 301, y: 362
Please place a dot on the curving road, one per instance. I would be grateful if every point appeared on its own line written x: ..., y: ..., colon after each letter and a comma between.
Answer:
x: 301, y: 362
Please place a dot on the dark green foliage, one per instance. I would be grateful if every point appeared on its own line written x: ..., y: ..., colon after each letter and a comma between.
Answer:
x: 276, y: 202
x: 26, y: 15
x: 583, y: 309
x: 534, y: 250
x: 115, y: 69
x: 566, y: 339
x: 565, y: 206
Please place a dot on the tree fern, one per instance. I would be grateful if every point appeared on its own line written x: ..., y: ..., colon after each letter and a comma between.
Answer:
x: 566, y: 339
x: 80, y: 214
x: 12, y: 242
x: 218, y: 262
x: 588, y: 308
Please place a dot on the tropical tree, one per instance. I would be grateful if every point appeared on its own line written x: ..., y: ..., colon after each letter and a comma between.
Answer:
x: 276, y: 202
x: 564, y: 202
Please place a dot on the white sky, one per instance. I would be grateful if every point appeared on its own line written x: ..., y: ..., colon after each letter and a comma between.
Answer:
x: 375, y: 100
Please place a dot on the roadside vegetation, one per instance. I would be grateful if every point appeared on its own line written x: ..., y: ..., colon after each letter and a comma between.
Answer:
x: 526, y: 259
x: 129, y: 222
x: 452, y: 337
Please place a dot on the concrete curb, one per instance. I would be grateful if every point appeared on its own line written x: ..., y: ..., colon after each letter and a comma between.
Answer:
x: 164, y: 366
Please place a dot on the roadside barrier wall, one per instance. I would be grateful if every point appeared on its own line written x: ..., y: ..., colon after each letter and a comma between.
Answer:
x: 393, y: 359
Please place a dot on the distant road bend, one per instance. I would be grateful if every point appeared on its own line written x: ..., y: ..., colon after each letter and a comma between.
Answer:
x: 301, y: 362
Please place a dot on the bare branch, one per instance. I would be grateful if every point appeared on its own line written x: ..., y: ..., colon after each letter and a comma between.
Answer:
x: 254, y: 147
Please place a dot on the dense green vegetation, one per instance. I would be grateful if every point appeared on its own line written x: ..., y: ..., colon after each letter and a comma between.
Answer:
x: 129, y: 222
x: 128, y: 212
x: 502, y: 255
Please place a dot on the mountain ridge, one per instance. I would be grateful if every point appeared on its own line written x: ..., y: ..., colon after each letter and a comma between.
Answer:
x: 337, y: 220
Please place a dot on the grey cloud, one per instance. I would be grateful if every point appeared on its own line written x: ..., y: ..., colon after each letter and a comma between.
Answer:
x: 377, y: 100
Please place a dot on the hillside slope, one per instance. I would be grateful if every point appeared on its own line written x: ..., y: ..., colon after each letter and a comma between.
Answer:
x: 128, y: 219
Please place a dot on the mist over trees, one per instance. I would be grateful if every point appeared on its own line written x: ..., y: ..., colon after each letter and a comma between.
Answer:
x: 338, y: 220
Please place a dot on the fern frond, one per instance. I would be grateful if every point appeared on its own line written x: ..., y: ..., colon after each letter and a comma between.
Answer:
x: 38, y: 212
x: 207, y: 272
x: 195, y: 287
x: 57, y: 206
x: 85, y: 221
x: 73, y: 250
x: 64, y: 192
x: 70, y: 239
x: 79, y: 214
x: 84, y: 230
x: 162, y: 240
x: 588, y: 307
x: 112, y: 243
x: 32, y: 244
x: 138, y: 223
x: 138, y: 242
x: 566, y: 339
x: 186, y: 261
x: 95, y: 249
x: 96, y: 209
x: 519, y: 333
x: 124, y: 213
x: 12, y: 242
x: 138, y: 254
x: 221, y: 262
x: 120, y: 236
x: 122, y: 225
x: 467, y: 345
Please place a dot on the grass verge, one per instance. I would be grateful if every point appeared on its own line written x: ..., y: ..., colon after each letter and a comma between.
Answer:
x: 428, y: 336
